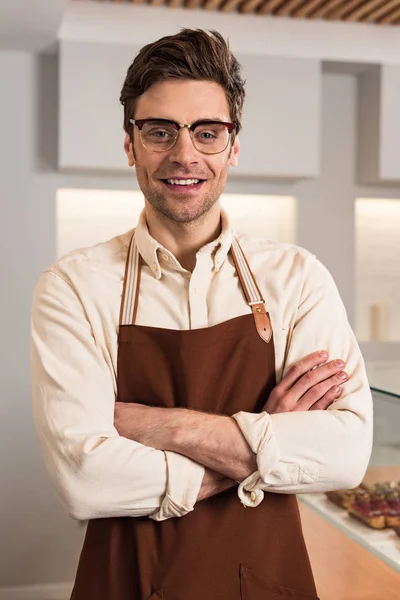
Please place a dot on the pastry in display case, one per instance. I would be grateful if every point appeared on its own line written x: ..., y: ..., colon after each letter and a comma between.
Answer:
x: 378, y: 505
x: 342, y: 498
x: 365, y: 509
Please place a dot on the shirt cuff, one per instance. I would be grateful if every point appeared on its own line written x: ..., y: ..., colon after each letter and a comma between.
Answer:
x: 257, y: 430
x: 185, y: 477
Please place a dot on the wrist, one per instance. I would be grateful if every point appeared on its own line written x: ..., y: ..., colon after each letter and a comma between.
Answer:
x: 213, y: 483
x: 174, y: 429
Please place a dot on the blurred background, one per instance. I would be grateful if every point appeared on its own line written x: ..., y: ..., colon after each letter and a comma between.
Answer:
x: 320, y: 167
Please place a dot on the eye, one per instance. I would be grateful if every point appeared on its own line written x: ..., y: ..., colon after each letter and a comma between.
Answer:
x: 159, y: 133
x: 207, y: 135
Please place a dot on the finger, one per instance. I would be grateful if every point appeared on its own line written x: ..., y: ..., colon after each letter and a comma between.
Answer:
x: 318, y: 391
x: 301, y: 368
x: 316, y: 376
x: 328, y: 399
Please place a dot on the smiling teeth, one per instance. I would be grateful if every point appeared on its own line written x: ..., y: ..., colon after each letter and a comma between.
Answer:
x: 183, y: 181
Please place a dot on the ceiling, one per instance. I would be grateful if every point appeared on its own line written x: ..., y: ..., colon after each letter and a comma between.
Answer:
x: 383, y: 12
x: 32, y: 25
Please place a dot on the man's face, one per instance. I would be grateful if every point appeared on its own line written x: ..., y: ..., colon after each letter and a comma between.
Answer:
x: 183, y: 102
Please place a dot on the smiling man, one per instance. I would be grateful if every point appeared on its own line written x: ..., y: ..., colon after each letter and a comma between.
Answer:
x: 187, y: 380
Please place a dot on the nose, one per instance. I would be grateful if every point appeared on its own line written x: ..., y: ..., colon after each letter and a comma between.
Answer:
x: 184, y: 152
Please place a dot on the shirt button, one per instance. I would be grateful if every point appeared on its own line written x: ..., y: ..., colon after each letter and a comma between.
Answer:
x: 194, y: 291
x: 253, y: 496
x: 154, y: 268
x: 165, y: 257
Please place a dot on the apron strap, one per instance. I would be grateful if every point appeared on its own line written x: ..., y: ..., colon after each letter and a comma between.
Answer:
x: 252, y: 292
x: 130, y: 291
x: 130, y: 294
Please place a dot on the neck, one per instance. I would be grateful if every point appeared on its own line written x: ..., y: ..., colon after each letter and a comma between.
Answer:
x: 184, y: 240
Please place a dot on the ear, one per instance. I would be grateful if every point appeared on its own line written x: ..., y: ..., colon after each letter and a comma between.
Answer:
x: 234, y: 157
x: 128, y: 147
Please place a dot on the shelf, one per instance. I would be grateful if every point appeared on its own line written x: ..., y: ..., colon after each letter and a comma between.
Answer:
x: 377, y: 280
x: 86, y: 217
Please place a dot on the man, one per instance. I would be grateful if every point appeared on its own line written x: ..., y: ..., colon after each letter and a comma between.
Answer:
x: 156, y: 357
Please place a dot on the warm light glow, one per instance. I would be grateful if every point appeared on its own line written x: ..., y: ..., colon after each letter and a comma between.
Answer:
x: 377, y: 247
x: 273, y: 217
x: 86, y: 217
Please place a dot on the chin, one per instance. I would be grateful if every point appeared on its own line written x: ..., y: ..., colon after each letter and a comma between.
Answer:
x: 184, y: 215
x: 185, y: 211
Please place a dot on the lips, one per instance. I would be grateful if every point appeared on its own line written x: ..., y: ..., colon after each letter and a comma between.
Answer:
x: 183, y: 186
x: 183, y: 181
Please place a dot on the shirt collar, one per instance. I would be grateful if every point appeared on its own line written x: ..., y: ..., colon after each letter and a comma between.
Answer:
x: 149, y: 248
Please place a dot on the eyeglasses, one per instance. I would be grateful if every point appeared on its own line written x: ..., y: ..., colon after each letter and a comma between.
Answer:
x: 208, y: 137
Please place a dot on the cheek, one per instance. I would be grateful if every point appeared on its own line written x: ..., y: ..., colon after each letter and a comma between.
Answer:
x: 146, y: 164
x: 219, y: 168
x: 223, y: 169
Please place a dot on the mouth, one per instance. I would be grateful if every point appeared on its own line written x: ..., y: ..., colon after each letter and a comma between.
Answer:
x: 180, y: 185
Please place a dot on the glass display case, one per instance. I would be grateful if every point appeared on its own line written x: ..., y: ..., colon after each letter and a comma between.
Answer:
x: 384, y: 466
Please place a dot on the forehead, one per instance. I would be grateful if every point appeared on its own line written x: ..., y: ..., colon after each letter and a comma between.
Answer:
x: 183, y: 101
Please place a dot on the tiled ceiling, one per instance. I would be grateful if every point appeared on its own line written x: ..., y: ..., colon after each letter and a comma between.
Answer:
x: 382, y: 12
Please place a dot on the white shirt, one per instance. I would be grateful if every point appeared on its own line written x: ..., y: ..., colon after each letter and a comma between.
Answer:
x: 75, y: 314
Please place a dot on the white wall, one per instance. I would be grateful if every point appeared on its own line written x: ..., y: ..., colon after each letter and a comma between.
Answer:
x: 30, y: 25
x: 38, y: 543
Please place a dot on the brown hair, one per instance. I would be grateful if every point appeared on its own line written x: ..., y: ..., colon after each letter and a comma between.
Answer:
x: 189, y: 54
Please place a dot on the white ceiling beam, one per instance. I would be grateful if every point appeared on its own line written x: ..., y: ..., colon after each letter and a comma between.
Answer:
x: 128, y: 24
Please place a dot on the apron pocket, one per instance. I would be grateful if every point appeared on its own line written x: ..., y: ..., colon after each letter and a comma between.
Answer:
x: 158, y: 595
x: 256, y: 587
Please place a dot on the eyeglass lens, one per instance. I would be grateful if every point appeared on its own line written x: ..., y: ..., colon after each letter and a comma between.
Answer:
x: 209, y: 138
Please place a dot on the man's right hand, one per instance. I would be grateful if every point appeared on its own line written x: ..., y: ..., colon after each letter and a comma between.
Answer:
x: 311, y: 384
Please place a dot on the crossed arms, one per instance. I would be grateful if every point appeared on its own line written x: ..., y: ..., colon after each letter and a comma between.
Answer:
x: 105, y: 464
x: 216, y: 441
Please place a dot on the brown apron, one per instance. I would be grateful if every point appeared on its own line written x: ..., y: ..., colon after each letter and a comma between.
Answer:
x: 221, y: 550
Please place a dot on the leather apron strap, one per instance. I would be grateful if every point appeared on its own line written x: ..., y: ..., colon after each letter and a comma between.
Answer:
x: 252, y: 292
x: 130, y: 294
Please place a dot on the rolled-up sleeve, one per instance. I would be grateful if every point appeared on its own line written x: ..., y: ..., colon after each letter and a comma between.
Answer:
x: 314, y: 451
x: 96, y: 472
